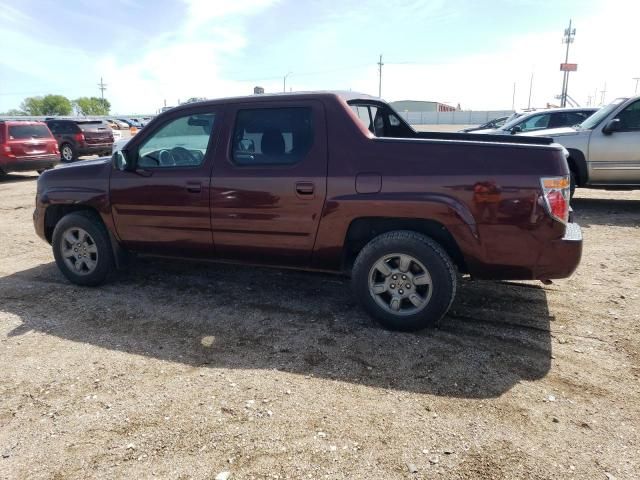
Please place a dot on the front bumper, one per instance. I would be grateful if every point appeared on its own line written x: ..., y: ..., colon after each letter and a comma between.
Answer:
x: 560, y: 258
x: 25, y: 164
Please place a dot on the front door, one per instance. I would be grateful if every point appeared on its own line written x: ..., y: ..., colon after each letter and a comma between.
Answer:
x: 269, y: 183
x: 163, y: 206
x: 614, y: 158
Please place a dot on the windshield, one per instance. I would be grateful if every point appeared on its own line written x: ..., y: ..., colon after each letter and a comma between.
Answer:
x: 511, y: 121
x: 601, y: 114
x: 21, y: 132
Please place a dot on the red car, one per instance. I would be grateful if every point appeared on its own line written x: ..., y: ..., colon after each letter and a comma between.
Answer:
x: 26, y: 146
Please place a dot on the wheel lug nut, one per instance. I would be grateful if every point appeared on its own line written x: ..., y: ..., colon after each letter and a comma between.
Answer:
x: 404, y: 277
x: 400, y: 291
x: 395, y: 277
x: 408, y: 285
x: 393, y: 285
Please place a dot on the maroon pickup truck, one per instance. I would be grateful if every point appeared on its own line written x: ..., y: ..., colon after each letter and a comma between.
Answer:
x: 319, y: 181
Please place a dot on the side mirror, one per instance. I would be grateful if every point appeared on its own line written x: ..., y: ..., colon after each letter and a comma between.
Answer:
x: 120, y: 162
x: 614, y: 125
x: 516, y: 129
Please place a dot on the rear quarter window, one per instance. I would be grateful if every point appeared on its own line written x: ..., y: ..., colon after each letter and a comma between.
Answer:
x: 24, y: 132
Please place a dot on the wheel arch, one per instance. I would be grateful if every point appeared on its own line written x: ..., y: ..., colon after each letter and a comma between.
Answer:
x: 578, y: 165
x: 364, y: 229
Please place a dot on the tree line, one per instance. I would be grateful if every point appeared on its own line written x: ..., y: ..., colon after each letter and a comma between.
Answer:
x: 53, y: 105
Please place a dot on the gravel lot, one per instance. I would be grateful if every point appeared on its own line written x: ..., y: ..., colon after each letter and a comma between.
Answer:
x: 179, y: 370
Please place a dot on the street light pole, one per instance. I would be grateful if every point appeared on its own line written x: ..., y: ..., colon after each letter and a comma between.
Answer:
x: 284, y: 82
x: 637, y: 79
x: 380, y: 64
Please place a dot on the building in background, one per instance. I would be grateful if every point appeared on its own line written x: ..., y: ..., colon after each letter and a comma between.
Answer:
x: 421, y: 106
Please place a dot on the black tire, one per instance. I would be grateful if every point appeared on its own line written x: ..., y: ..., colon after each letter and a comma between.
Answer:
x: 572, y: 186
x: 426, y: 251
x: 74, y: 154
x: 92, y: 224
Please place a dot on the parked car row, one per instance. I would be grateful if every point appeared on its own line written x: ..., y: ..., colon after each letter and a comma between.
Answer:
x: 539, y: 120
x: 33, y: 145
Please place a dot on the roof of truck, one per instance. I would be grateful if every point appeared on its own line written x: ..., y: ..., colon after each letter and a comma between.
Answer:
x: 345, y: 95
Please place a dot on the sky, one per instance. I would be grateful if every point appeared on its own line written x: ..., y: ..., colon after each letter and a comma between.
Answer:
x: 467, y: 52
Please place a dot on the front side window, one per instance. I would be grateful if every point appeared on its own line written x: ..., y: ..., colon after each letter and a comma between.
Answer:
x: 180, y: 143
x: 630, y: 117
x: 272, y: 136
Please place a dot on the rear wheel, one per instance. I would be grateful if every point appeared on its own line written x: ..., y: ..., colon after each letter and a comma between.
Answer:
x: 67, y: 152
x: 404, y: 280
x: 82, y: 249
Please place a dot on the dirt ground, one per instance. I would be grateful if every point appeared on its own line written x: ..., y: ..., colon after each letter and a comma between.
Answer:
x: 178, y: 370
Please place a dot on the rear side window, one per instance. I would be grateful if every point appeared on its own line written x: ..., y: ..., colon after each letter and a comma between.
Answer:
x: 24, y: 132
x: 92, y: 126
x: 272, y: 136
x: 630, y: 117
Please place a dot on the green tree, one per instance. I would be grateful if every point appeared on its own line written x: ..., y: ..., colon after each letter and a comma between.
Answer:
x: 92, y: 106
x: 14, y: 112
x: 47, y: 105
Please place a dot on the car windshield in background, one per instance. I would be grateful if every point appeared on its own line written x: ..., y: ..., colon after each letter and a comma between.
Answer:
x: 601, y: 114
x: 18, y: 132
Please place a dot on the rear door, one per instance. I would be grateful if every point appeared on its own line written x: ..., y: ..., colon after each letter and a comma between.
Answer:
x: 615, y: 158
x: 96, y: 133
x: 269, y: 182
x: 163, y: 206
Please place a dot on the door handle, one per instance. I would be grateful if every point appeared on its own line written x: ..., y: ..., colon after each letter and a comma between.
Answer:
x: 193, y: 187
x: 305, y: 188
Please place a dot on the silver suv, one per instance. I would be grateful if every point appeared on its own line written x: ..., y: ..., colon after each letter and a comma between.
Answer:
x: 604, y: 150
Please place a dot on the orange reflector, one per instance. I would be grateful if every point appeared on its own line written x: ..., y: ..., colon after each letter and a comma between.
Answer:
x: 555, y: 182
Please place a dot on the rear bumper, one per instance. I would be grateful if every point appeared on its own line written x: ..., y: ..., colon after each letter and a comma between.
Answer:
x: 95, y: 149
x: 560, y: 258
x: 25, y: 164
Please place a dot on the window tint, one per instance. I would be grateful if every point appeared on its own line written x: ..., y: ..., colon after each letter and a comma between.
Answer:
x: 67, y: 128
x: 21, y: 132
x: 180, y: 143
x: 630, y: 117
x: 272, y: 136
x: 536, y: 122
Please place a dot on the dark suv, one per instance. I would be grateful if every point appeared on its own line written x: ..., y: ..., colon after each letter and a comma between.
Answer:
x: 81, y: 137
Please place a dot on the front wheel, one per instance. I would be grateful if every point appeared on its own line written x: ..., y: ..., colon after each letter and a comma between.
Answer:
x: 404, y: 280
x: 82, y: 249
x: 67, y: 153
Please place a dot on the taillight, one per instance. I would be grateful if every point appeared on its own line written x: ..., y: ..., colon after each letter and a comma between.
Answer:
x: 6, y: 150
x: 79, y: 137
x: 556, y: 193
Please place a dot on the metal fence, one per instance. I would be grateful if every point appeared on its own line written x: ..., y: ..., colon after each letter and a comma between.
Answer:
x: 453, y: 118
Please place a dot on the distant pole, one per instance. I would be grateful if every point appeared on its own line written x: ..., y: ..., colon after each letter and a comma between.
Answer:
x: 380, y: 64
x: 569, y: 36
x: 530, y: 88
x: 513, y: 99
x: 284, y: 82
x: 637, y: 79
x: 603, y: 92
x: 103, y: 87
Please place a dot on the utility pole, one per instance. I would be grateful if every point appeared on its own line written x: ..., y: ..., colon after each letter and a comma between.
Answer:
x: 103, y: 87
x: 569, y: 35
x: 513, y: 99
x: 380, y: 64
x: 637, y: 79
x: 284, y: 82
x: 603, y: 92
x: 530, y: 88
